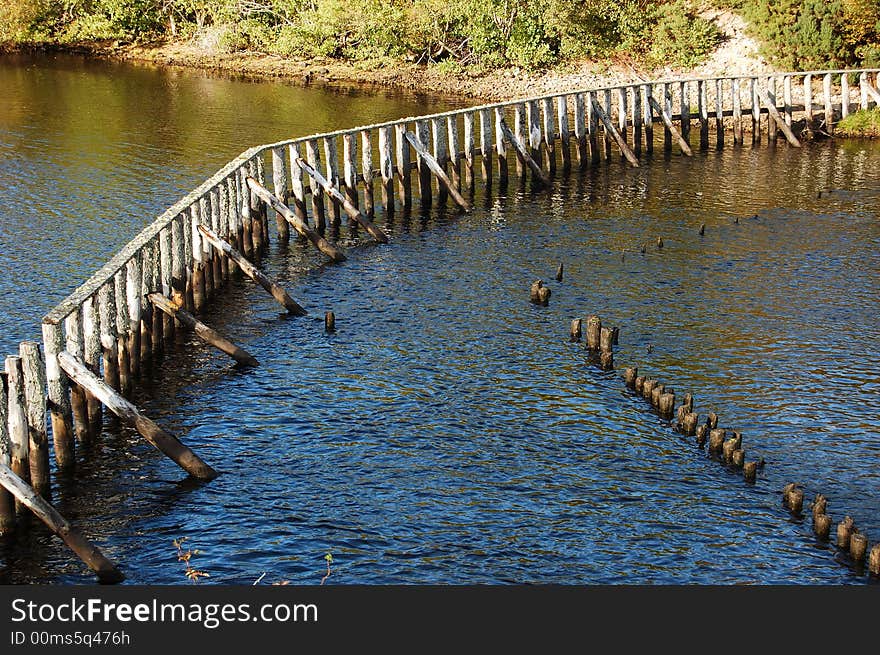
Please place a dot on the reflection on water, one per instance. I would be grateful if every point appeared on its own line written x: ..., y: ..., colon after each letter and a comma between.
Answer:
x: 449, y: 432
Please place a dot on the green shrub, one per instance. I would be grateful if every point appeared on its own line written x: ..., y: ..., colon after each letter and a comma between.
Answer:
x: 682, y: 38
x: 863, y: 123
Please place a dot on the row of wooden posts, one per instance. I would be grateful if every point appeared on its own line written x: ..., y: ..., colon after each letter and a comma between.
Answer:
x: 110, y: 330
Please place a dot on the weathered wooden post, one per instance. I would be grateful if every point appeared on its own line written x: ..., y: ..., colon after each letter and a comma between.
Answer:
x: 829, y: 107
x: 16, y: 416
x: 858, y: 547
x: 703, y: 109
x: 822, y: 526
x: 666, y: 405
x: 34, y: 380
x: 702, y: 435
x: 575, y: 331
x: 486, y: 133
x: 279, y: 183
x: 59, y: 400
x: 313, y: 157
x: 594, y: 332
x: 7, y: 502
x: 750, y: 471
x: 689, y: 424
x: 367, y: 173
x: 121, y: 317
x: 107, y: 318
x: 630, y: 375
x: 737, y: 111
x: 685, y: 106
x: 549, y: 143
x: 92, y: 355
x: 606, y: 340
x: 716, y: 440
x: 564, y: 133
x: 329, y: 322
x: 468, y: 142
x: 719, y: 114
x: 349, y: 169
x: 874, y: 560
x: 756, y: 111
x: 386, y: 168
x: 580, y: 129
x: 331, y: 174
x: 844, y: 533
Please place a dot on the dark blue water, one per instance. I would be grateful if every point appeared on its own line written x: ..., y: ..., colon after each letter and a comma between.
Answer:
x: 449, y: 432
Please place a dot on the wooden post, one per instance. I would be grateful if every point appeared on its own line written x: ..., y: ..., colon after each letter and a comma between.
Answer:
x: 581, y: 132
x: 756, y: 111
x: 858, y: 547
x: 16, y: 416
x: 523, y: 155
x: 874, y: 560
x: 129, y: 414
x: 606, y: 356
x: 808, y: 104
x: 685, y: 111
x: 666, y: 405
x: 638, y: 116
x: 386, y: 168
x: 34, y: 380
x: 107, y: 313
x: 606, y: 93
x: 771, y: 101
x: 349, y: 169
x: 403, y: 169
x: 89, y: 554
x: 423, y: 130
x: 716, y: 440
x: 313, y: 156
x: 297, y: 186
x: 7, y: 502
x: 750, y: 471
x: 120, y: 315
x: 204, y: 332
x: 500, y: 148
x: 667, y: 107
x: 166, y: 254
x: 468, y: 145
x: 486, y: 132
x: 331, y: 162
x: 786, y: 99
x: 367, y: 172
x: 719, y: 114
x: 374, y: 232
x: 210, y: 203
x: 774, y: 114
x: 133, y: 280
x: 518, y: 133
x: 737, y: 111
x: 702, y: 105
x: 576, y: 329
x: 702, y: 435
x: 610, y: 129
x: 58, y: 398
x: 629, y: 376
x: 539, y: 294
x: 147, y: 283
x: 454, y: 151
x: 648, y: 117
x: 564, y: 131
x: 304, y: 230
x: 844, y: 533
x: 829, y: 108
x: 548, y: 115
x: 621, y: 93
x: 279, y: 183
x: 689, y: 424
x: 593, y: 127
x: 844, y: 95
x: 78, y: 402
x: 437, y: 169
x: 822, y: 526
x: 329, y: 322
x: 253, y: 272
x: 594, y: 332
x: 92, y: 354
x: 670, y: 128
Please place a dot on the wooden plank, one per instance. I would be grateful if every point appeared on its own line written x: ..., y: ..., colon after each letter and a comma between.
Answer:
x: 304, y: 230
x: 253, y: 272
x: 87, y: 552
x: 34, y: 380
x: 352, y: 211
x: 780, y: 122
x: 670, y: 128
x: 609, y: 127
x: 207, y: 334
x: 167, y: 443
x: 438, y: 171
x: 523, y: 155
x: 58, y: 398
x: 279, y: 186
x: 16, y: 418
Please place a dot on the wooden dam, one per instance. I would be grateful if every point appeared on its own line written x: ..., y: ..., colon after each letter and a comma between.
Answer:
x: 96, y: 344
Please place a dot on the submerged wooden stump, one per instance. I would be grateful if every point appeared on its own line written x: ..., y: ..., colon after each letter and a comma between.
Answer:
x: 716, y: 440
x: 689, y: 424
x: 739, y: 457
x: 858, y: 547
x: 750, y: 471
x: 629, y: 377
x: 844, y: 532
x: 666, y: 405
x: 822, y: 526
x: 594, y: 332
x: 329, y: 322
x: 702, y: 435
x: 874, y: 560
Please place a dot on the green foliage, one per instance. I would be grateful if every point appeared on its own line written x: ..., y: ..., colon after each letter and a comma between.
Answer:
x: 805, y: 34
x: 682, y: 37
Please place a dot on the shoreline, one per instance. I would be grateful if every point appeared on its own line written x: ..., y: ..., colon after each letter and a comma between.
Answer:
x: 737, y: 54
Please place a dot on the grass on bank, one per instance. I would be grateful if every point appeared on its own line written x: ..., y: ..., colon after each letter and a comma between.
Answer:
x: 864, y: 123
